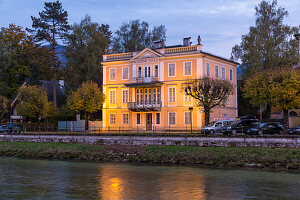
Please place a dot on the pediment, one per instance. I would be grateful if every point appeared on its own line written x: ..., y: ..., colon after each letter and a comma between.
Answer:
x: 147, y: 53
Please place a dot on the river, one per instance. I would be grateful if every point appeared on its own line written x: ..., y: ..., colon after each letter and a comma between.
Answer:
x: 52, y: 179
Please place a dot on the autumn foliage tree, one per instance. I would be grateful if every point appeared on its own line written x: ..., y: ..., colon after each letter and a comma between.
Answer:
x: 277, y: 87
x: 87, y: 99
x: 209, y: 93
x: 33, y: 104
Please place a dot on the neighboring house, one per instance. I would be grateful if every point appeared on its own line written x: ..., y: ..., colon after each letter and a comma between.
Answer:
x: 143, y: 89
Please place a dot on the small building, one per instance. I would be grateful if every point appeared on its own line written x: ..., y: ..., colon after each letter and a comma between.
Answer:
x: 143, y: 89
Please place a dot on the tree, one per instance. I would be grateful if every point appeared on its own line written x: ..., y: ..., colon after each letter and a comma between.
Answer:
x: 270, y: 43
x: 33, y: 103
x: 87, y: 99
x: 86, y: 45
x: 51, y: 26
x: 136, y: 35
x: 20, y: 59
x: 3, y: 107
x: 278, y: 87
x: 209, y: 93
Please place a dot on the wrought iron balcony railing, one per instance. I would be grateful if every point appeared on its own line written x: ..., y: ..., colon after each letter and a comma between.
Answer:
x: 144, y: 105
x: 148, y: 79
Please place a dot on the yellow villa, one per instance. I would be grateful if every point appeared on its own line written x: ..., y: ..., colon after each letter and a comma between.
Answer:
x: 143, y: 89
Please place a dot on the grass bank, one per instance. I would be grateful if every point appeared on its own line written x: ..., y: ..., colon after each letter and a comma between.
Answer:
x: 288, y: 159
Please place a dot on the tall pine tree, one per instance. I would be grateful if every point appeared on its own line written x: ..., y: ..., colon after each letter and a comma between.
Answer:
x: 51, y: 27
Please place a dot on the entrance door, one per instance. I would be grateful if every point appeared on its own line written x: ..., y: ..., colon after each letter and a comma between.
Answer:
x: 149, y: 121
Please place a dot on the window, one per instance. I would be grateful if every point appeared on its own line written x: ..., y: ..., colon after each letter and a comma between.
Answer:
x: 172, y: 118
x: 188, y: 68
x: 217, y: 71
x: 155, y: 70
x: 157, y: 117
x: 207, y: 69
x: 138, y: 118
x: 187, y: 98
x: 112, y: 118
x: 172, y: 69
x: 172, y: 95
x: 231, y: 75
x: 218, y: 124
x: 223, y: 73
x: 187, y: 118
x: 112, y: 74
x: 125, y: 73
x: 147, y: 71
x: 139, y: 72
x: 112, y: 96
x: 125, y: 96
x: 125, y: 118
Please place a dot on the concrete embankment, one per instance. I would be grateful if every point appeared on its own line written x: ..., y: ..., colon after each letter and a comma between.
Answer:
x: 281, y: 142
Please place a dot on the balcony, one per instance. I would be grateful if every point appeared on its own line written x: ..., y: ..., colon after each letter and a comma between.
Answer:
x: 144, y: 106
x: 144, y: 81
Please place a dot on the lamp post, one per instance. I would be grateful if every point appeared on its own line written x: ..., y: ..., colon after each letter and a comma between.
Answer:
x: 191, y: 110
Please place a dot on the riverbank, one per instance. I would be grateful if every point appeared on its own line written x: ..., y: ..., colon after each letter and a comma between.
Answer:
x: 219, y: 157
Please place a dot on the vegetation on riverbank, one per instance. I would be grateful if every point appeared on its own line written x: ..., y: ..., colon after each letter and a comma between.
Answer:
x: 278, y: 158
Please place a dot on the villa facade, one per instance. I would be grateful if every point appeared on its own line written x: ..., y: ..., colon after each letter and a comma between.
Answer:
x: 143, y: 90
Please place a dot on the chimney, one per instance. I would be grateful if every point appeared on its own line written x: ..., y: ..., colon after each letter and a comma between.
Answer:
x: 187, y: 41
x: 158, y: 44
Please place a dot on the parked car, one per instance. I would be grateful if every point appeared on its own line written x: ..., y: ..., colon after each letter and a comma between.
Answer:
x: 4, y: 129
x: 295, y: 130
x: 266, y: 128
x: 10, y: 128
x: 216, y: 127
x: 242, y: 126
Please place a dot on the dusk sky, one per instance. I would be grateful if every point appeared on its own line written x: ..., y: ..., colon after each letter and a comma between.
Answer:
x: 219, y: 22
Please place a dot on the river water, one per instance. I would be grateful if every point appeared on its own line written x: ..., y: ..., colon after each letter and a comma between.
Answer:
x: 51, y: 179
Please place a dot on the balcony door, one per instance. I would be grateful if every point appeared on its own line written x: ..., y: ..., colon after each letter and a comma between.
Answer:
x: 147, y: 73
x: 148, y: 121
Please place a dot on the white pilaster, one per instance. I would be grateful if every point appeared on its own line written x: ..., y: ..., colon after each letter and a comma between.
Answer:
x: 161, y: 67
x: 104, y: 75
x: 134, y: 70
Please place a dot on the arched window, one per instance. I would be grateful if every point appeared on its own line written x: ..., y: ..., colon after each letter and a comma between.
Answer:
x: 293, y: 113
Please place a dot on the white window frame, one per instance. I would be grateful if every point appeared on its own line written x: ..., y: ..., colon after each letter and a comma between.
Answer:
x: 169, y: 118
x: 123, y: 114
x: 231, y: 74
x: 170, y: 95
x: 191, y: 117
x: 223, y: 78
x: 174, y: 69
x: 111, y: 69
x: 115, y: 99
x: 184, y: 69
x: 123, y: 73
x: 208, y: 69
x: 154, y: 73
x: 123, y: 90
x: 156, y: 118
x: 186, y: 97
x: 217, y: 69
x: 139, y: 120
x: 141, y: 74
x: 110, y: 114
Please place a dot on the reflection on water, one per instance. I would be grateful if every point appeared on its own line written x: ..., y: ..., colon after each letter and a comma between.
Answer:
x: 46, y: 179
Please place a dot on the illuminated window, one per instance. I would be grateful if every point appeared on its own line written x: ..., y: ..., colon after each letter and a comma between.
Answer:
x: 125, y: 118
x: 112, y: 96
x: 187, y: 98
x: 172, y: 94
x: 125, y: 96
x: 112, y: 118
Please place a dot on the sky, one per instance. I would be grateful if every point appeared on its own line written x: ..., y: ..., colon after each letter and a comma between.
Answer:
x: 220, y: 23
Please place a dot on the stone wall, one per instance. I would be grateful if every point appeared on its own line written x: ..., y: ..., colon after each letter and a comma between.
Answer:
x: 288, y: 142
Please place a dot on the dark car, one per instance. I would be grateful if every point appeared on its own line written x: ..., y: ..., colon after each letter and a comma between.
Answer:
x: 242, y: 126
x: 295, y: 130
x: 10, y: 128
x: 266, y: 128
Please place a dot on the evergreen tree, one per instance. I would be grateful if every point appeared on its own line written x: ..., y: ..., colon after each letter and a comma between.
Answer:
x: 51, y: 27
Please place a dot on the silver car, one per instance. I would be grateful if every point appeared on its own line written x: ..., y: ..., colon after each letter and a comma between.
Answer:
x: 216, y: 127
